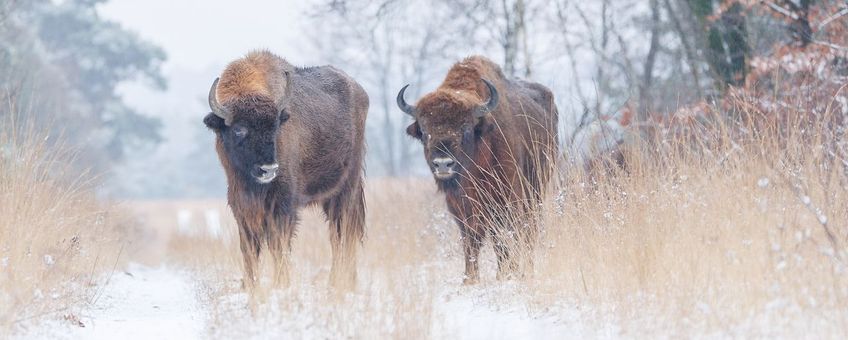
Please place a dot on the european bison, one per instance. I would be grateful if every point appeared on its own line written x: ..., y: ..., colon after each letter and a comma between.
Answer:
x: 289, y: 137
x: 490, y: 143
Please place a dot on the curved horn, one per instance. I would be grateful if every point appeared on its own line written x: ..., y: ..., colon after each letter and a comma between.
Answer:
x: 218, y: 109
x: 408, y: 109
x: 491, y: 104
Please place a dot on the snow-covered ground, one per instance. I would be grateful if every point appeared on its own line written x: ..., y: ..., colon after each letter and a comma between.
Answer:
x: 482, y: 314
x: 164, y: 303
x: 145, y: 303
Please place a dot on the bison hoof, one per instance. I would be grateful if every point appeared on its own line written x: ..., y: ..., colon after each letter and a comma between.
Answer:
x: 344, y: 280
x: 507, y: 276
x: 470, y: 281
x: 248, y: 284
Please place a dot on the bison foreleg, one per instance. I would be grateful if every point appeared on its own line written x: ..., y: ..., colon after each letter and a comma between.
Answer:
x: 472, y: 241
x: 346, y: 214
x: 250, y: 247
x: 279, y: 234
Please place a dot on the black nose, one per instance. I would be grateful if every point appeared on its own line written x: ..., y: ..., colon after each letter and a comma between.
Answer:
x: 264, y: 170
x: 443, y: 164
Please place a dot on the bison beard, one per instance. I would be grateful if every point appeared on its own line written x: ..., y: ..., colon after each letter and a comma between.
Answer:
x: 288, y: 138
x: 449, y: 185
x: 501, y: 135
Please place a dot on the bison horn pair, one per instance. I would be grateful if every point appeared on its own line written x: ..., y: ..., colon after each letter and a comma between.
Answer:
x: 479, y: 113
x: 218, y: 109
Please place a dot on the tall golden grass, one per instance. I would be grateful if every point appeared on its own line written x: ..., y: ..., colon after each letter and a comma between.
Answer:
x: 725, y: 226
x: 56, y: 239
x: 730, y: 226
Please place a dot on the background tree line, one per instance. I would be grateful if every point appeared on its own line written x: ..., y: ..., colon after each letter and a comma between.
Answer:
x: 599, y: 57
x: 60, y: 64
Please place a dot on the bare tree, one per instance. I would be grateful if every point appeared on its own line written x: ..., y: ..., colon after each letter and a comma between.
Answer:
x: 384, y: 53
x: 645, y: 101
x: 514, y: 38
x: 688, y: 49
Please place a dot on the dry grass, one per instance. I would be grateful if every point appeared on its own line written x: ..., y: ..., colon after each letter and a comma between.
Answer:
x: 743, y: 234
x: 55, y: 238
x: 740, y: 233
x: 698, y: 252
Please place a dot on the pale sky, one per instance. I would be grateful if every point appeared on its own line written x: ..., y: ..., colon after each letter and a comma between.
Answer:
x: 200, y: 38
x: 197, y: 34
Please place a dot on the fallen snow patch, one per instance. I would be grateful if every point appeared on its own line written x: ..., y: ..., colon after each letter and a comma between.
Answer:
x: 145, y: 303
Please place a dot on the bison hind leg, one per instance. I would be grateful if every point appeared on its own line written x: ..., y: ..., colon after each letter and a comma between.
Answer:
x: 346, y: 215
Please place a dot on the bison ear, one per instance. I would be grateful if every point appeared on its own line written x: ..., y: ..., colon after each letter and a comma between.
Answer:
x: 214, y: 122
x: 414, y: 130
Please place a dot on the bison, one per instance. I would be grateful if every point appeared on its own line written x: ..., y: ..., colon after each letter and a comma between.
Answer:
x: 290, y: 137
x: 597, y: 145
x: 490, y: 143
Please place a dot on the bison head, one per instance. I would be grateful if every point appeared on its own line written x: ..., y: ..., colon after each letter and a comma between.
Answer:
x: 248, y: 127
x: 449, y: 124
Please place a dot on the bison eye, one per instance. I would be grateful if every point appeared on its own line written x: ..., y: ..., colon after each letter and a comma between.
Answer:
x: 467, y: 134
x: 240, y: 132
x: 284, y: 116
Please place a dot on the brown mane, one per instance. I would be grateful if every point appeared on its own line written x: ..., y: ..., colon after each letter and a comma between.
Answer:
x: 257, y: 74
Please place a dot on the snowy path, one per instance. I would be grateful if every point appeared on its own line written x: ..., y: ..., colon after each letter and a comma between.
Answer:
x: 463, y: 319
x: 162, y: 303
x: 145, y: 303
